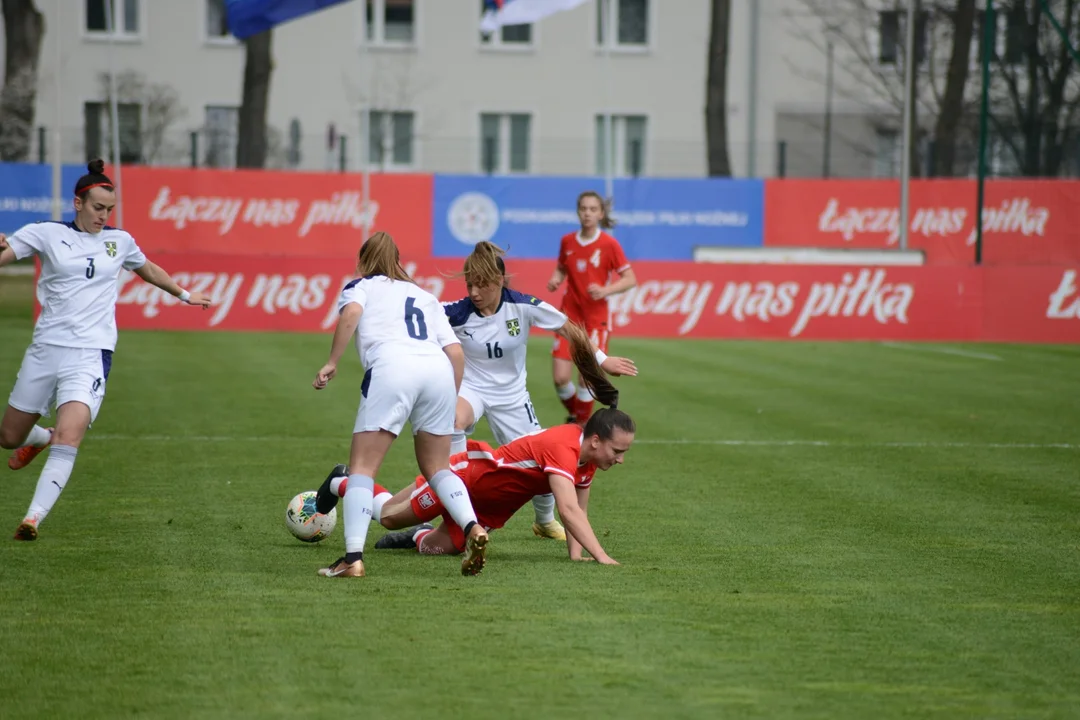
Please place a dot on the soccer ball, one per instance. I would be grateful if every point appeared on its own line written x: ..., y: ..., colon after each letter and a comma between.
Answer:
x: 305, y: 523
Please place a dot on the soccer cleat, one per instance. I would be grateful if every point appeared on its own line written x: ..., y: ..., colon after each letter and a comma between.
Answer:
x: 25, y: 455
x: 402, y: 540
x: 475, y: 554
x: 552, y: 530
x: 340, y: 568
x: 27, y: 531
x: 325, y: 501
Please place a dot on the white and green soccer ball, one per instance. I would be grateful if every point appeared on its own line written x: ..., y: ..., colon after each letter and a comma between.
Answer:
x: 305, y: 523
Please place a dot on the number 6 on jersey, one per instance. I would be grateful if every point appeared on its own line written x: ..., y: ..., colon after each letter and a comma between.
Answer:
x: 413, y: 313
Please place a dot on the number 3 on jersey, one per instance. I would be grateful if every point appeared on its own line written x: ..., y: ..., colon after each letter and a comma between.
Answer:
x: 414, y: 315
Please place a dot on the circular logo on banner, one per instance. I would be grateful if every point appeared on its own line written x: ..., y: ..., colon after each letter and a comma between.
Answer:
x: 473, y: 217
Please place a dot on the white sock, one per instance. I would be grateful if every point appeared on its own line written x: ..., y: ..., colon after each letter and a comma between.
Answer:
x: 544, y: 507
x: 53, y: 479
x: 357, y: 508
x: 38, y: 437
x: 583, y: 394
x: 335, y: 486
x: 457, y: 443
x: 565, y: 392
x: 453, y: 495
x: 377, y: 505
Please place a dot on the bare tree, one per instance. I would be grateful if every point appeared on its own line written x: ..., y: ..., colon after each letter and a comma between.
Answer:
x: 251, y: 147
x: 951, y: 110
x: 716, y: 90
x: 24, y: 27
x: 1034, y: 89
x: 160, y: 109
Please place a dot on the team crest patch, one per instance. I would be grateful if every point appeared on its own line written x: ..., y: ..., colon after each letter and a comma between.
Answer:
x: 425, y: 500
x: 110, y: 248
x: 513, y: 327
x: 581, y: 265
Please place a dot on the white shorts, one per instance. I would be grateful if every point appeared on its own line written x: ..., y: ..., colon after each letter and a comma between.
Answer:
x: 508, y: 421
x: 54, y: 375
x: 417, y: 389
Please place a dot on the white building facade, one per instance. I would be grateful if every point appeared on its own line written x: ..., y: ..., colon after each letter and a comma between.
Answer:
x: 442, y: 98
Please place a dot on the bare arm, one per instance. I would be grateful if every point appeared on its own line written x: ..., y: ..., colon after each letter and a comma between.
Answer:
x: 7, y: 255
x: 571, y: 542
x: 626, y: 280
x: 557, y: 278
x: 457, y: 359
x: 346, y: 327
x: 156, y: 275
x: 575, y: 519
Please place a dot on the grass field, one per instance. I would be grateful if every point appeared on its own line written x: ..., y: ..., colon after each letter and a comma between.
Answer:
x: 807, y: 530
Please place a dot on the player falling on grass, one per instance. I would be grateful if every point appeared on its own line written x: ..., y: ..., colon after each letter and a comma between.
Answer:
x: 561, y: 460
x: 67, y: 364
x: 413, y: 366
x: 588, y: 259
x: 493, y: 324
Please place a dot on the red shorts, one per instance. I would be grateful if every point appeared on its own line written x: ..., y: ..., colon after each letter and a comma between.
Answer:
x: 599, y: 336
x: 426, y: 506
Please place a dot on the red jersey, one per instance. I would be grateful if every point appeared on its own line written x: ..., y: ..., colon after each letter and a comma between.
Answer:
x: 502, y: 481
x: 587, y: 264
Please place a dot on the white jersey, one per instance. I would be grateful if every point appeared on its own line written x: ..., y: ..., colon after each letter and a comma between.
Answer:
x: 79, y: 284
x: 495, y: 345
x: 399, y: 319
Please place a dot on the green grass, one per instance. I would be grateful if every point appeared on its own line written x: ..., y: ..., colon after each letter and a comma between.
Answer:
x: 920, y: 563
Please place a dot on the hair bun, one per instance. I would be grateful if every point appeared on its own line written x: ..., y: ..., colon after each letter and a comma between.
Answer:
x: 96, y: 167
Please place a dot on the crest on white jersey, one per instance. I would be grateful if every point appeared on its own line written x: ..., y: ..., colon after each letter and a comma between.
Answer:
x: 513, y: 327
x: 110, y: 247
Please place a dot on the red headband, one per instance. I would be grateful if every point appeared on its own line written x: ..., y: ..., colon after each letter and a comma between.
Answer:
x: 88, y: 188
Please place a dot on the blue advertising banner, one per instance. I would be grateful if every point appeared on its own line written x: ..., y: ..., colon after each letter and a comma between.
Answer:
x: 26, y: 193
x: 658, y: 219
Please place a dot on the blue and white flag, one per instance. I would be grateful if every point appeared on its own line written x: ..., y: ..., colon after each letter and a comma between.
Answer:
x: 251, y: 17
x: 521, y: 12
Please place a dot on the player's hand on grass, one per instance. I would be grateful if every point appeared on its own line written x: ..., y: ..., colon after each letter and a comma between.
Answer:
x: 597, y: 292
x: 201, y: 299
x: 324, y: 376
x: 606, y: 561
x: 619, y: 366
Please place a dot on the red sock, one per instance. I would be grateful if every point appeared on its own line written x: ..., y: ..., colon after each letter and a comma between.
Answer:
x: 379, y: 489
x: 570, y: 404
x: 343, y: 487
x: 583, y: 411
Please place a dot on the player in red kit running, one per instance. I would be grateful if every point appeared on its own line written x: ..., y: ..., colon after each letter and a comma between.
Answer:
x: 589, y: 260
x: 561, y: 460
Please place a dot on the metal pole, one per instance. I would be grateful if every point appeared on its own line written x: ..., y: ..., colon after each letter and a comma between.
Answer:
x: 365, y: 134
x: 905, y: 145
x: 57, y: 169
x: 989, y: 26
x: 609, y: 121
x: 827, y: 152
x: 114, y: 109
x: 752, y: 82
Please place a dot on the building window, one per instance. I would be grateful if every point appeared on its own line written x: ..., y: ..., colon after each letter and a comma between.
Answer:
x: 891, y: 36
x: 508, y: 35
x: 627, y: 144
x: 391, y: 22
x: 505, y: 142
x: 221, y: 130
x: 97, y: 131
x: 217, y: 24
x: 886, y: 154
x: 390, y: 139
x: 125, y: 17
x: 629, y: 17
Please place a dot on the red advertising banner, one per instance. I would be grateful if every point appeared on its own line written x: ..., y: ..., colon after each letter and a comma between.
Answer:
x: 258, y: 212
x: 1033, y: 222
x: 1031, y: 304
x: 672, y: 299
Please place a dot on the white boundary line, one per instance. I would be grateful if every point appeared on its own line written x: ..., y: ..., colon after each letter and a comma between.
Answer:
x: 942, y: 350
x: 644, y: 441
